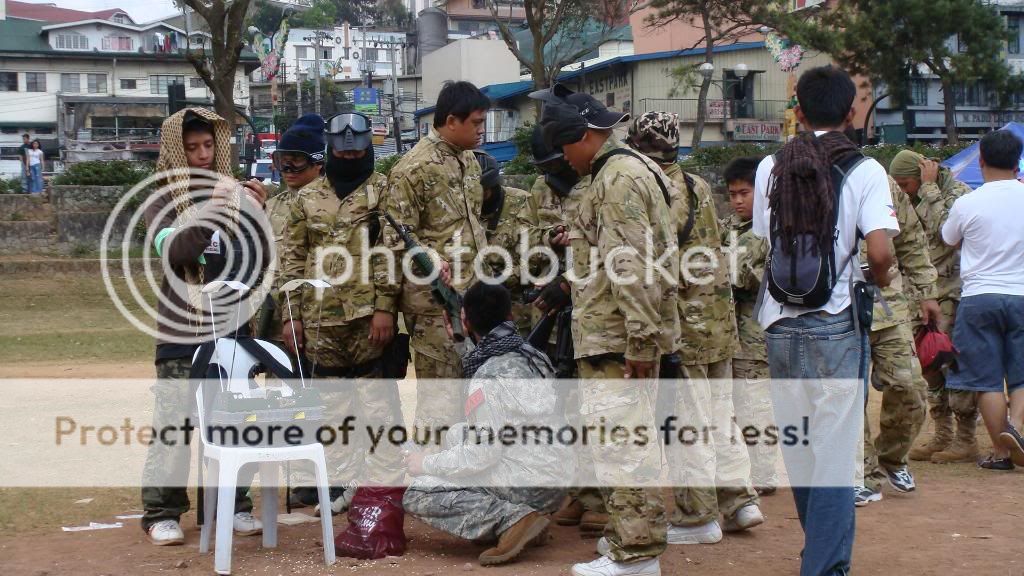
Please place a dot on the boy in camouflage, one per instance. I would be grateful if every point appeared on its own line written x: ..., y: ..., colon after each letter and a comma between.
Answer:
x: 714, y: 478
x: 932, y: 190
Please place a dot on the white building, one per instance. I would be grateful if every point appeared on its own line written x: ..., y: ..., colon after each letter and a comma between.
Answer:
x: 343, y: 50
x: 94, y: 87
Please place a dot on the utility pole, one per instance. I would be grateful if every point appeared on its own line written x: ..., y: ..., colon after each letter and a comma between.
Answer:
x: 395, y: 116
x: 298, y: 88
x: 316, y: 38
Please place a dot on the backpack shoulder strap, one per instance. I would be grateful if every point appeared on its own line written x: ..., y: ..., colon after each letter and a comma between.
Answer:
x: 691, y: 216
x: 492, y: 222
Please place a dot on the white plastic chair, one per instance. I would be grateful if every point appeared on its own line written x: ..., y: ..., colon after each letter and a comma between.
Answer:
x: 223, y: 464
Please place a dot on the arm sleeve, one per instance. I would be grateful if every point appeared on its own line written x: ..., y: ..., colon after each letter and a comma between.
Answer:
x: 952, y: 232
x: 478, y: 448
x: 911, y: 246
x: 624, y: 226
x: 750, y: 265
x: 294, y: 250
x: 387, y: 287
x: 876, y: 206
x: 762, y: 184
x: 184, y: 246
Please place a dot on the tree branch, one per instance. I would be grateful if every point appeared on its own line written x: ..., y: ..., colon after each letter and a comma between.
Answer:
x: 506, y: 34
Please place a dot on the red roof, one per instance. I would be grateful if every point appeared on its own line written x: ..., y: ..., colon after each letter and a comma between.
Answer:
x: 54, y: 15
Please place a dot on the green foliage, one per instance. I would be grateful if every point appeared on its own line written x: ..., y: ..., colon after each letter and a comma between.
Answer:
x: 722, y: 155
x: 103, y: 173
x: 521, y: 164
x: 12, y: 186
x: 385, y: 164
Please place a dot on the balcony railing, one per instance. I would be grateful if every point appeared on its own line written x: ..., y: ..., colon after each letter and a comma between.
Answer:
x: 718, y: 110
x: 118, y: 135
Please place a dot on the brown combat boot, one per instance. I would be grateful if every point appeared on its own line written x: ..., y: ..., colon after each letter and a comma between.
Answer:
x: 964, y: 447
x: 512, y: 541
x: 940, y: 441
x: 593, y: 522
x: 570, y: 513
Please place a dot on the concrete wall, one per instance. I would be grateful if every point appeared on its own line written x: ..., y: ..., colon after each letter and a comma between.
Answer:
x: 482, y: 62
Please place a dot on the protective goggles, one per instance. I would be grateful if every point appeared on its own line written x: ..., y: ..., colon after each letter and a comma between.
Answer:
x: 293, y: 161
x: 353, y: 121
x: 350, y: 131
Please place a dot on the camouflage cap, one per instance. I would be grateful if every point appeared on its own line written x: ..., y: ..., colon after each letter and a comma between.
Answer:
x: 656, y: 134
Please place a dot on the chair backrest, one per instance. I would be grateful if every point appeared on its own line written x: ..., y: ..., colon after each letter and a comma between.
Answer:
x: 201, y: 409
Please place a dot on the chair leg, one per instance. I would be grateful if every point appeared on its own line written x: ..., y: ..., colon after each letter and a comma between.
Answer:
x: 226, y: 481
x: 268, y: 481
x: 209, y: 504
x: 326, y: 526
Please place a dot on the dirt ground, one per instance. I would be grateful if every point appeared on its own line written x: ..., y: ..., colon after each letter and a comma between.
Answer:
x: 961, y: 520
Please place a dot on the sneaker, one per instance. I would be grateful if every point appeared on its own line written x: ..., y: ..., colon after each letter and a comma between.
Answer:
x: 340, y: 501
x: 166, y: 533
x: 745, y: 518
x: 605, y: 566
x: 992, y: 463
x: 710, y: 533
x: 1014, y: 442
x: 247, y: 525
x: 862, y: 496
x: 603, y: 546
x: 901, y: 479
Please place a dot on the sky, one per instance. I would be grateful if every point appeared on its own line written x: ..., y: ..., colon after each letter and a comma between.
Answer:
x: 139, y: 10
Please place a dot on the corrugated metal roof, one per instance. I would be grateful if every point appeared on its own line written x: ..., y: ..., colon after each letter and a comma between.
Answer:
x: 54, y: 14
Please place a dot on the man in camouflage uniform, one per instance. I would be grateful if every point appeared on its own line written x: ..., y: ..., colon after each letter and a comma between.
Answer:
x: 933, y: 190
x: 619, y: 331
x: 557, y: 192
x: 895, y: 370
x: 509, y: 214
x: 496, y: 494
x: 343, y: 329
x: 747, y: 253
x: 712, y: 477
x: 435, y: 192
x: 300, y: 159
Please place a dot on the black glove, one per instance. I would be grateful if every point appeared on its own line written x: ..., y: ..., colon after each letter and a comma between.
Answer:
x: 554, y: 296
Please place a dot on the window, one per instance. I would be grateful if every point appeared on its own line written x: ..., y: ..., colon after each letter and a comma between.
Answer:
x: 129, y: 84
x: 1013, y: 27
x: 69, y: 83
x: 326, y: 54
x: 8, y: 81
x: 918, y: 92
x: 961, y: 45
x: 370, y: 54
x: 121, y: 19
x: 97, y: 83
x: 158, y: 83
x: 117, y: 43
x: 196, y: 83
x: 969, y: 94
x: 72, y: 41
x: 44, y: 130
x: 302, y: 52
x: 35, y: 82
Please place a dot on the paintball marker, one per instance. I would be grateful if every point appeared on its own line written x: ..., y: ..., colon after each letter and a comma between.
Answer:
x: 442, y: 293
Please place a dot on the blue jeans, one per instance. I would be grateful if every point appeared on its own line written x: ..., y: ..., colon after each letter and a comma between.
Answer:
x: 815, y: 362
x: 35, y: 179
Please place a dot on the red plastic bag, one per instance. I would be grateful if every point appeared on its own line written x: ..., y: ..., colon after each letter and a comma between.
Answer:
x: 375, y: 525
x: 935, y: 350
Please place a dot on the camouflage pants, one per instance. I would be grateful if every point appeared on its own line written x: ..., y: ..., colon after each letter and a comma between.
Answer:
x: 372, y: 402
x: 943, y: 402
x: 637, y: 514
x: 897, y: 372
x: 165, y: 473
x: 589, y: 496
x: 480, y: 513
x: 753, y: 402
x: 440, y: 394
x: 713, y: 473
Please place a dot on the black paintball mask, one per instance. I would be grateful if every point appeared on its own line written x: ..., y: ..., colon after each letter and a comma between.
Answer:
x: 348, y: 132
x: 558, y: 173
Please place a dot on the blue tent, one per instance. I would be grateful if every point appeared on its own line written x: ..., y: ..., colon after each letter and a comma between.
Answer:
x: 964, y: 164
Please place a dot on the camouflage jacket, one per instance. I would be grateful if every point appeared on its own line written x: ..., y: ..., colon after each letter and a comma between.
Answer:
x: 749, y: 253
x: 552, y: 209
x: 435, y: 191
x: 707, y: 319
x: 933, y: 203
x: 319, y: 225
x: 912, y: 274
x: 277, y: 212
x: 518, y: 217
x: 507, y: 391
x: 623, y: 208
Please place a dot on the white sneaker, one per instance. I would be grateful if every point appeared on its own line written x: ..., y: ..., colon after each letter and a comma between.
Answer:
x: 338, y: 505
x: 603, y: 546
x: 745, y: 518
x: 166, y: 533
x: 605, y: 566
x: 710, y: 533
x: 247, y: 525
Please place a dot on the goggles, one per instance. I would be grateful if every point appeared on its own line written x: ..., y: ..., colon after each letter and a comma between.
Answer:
x: 291, y: 161
x: 353, y: 121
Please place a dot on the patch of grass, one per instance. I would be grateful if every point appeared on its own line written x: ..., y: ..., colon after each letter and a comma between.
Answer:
x: 28, y: 510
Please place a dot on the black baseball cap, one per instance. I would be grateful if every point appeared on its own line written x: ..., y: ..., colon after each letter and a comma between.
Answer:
x: 597, y: 115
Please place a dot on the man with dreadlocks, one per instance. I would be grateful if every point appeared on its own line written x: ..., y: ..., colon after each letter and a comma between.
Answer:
x: 343, y: 331
x: 714, y: 476
x: 195, y: 218
x: 820, y: 349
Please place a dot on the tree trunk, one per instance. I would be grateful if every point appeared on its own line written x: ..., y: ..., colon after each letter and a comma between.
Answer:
x: 705, y: 85
x: 949, y: 105
x: 538, y: 69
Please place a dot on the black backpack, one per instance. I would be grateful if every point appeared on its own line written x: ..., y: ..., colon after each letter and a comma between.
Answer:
x: 796, y: 275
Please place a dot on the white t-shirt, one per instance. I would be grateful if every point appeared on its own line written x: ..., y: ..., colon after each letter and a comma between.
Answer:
x: 865, y: 203
x: 34, y: 156
x: 988, y: 221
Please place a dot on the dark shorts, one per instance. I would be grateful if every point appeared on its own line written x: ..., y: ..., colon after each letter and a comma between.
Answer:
x: 989, y: 333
